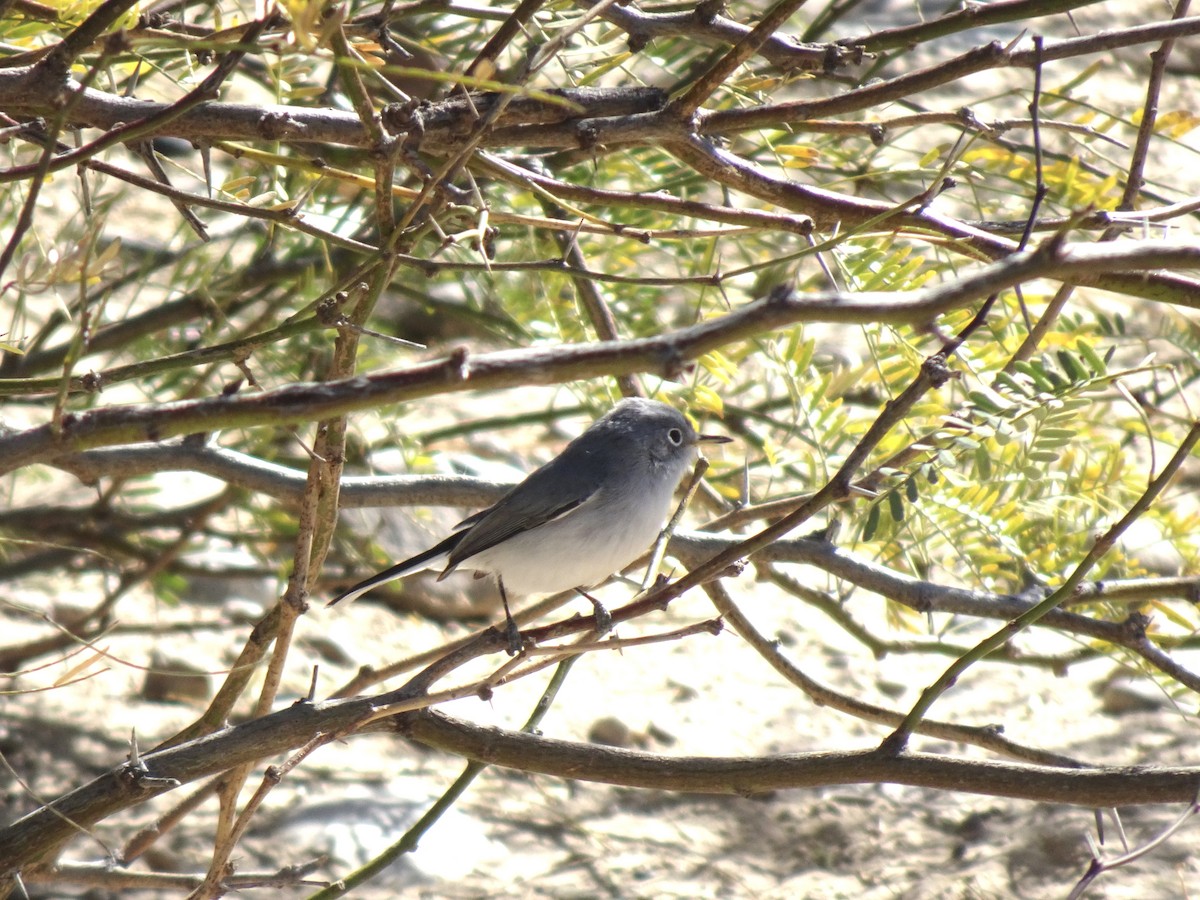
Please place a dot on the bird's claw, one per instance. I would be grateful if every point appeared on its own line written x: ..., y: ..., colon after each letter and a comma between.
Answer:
x: 512, y: 634
x: 604, y: 620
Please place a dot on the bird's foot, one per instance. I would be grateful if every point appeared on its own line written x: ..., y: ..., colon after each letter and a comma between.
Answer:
x: 604, y: 622
x: 513, y: 635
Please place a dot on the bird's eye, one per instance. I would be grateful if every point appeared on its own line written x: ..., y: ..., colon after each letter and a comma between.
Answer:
x: 675, y: 436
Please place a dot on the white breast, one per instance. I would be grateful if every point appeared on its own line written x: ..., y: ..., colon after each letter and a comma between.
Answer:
x: 584, y: 547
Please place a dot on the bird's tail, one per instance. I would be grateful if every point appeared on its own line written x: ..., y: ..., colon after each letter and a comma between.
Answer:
x: 418, y: 563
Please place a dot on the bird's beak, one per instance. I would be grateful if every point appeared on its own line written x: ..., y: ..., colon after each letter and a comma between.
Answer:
x: 712, y: 439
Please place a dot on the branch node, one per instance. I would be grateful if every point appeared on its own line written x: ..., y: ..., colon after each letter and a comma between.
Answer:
x: 135, y: 778
x: 706, y: 11
x: 779, y: 295
x: 937, y: 371
x: 458, y: 365
x: 674, y: 364
x: 1135, y: 626
x: 893, y: 745
x: 585, y: 134
x: 275, y: 125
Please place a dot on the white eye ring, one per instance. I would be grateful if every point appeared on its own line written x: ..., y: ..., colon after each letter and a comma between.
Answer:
x: 675, y: 436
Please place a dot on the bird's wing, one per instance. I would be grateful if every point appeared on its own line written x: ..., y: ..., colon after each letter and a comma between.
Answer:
x: 547, y: 494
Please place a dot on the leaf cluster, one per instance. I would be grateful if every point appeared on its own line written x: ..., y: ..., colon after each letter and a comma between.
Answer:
x: 855, y: 249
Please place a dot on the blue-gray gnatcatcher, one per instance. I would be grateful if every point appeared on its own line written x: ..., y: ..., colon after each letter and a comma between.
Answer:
x: 589, y: 512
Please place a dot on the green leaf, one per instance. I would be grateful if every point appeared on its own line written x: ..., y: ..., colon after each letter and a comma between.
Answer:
x: 983, y: 463
x: 1074, y: 369
x: 1045, y: 456
x: 871, y: 525
x: 1063, y: 435
x: 1037, y: 373
x: 1098, y: 366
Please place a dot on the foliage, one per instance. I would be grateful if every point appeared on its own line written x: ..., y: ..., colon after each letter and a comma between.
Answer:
x: 794, y: 222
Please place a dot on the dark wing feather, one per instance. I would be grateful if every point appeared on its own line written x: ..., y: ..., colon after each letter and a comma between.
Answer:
x: 552, y: 491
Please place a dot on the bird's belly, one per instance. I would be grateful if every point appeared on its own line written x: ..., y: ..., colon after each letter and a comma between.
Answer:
x: 580, y: 549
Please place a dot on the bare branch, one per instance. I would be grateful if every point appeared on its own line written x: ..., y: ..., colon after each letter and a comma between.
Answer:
x: 1088, y: 787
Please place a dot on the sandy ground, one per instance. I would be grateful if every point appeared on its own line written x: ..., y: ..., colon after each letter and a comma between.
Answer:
x: 520, y: 835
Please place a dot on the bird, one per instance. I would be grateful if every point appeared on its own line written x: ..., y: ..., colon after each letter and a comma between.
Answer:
x: 575, y: 521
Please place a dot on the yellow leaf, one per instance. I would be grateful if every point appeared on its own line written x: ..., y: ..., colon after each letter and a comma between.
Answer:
x: 107, y: 254
x: 595, y: 72
x: 75, y: 670
x: 770, y: 451
x: 1176, y: 123
x: 765, y: 83
x: 798, y: 156
x: 235, y: 184
x: 930, y: 155
x: 719, y: 366
x: 316, y: 90
x: 707, y: 399
x: 798, y: 151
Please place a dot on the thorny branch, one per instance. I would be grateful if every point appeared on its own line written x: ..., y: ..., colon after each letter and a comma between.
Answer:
x: 460, y: 371
x: 453, y: 159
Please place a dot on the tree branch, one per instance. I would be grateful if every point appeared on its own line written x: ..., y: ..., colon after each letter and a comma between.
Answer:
x: 665, y: 355
x: 1088, y: 787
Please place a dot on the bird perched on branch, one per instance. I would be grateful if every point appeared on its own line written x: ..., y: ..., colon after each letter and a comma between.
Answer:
x: 586, y: 514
